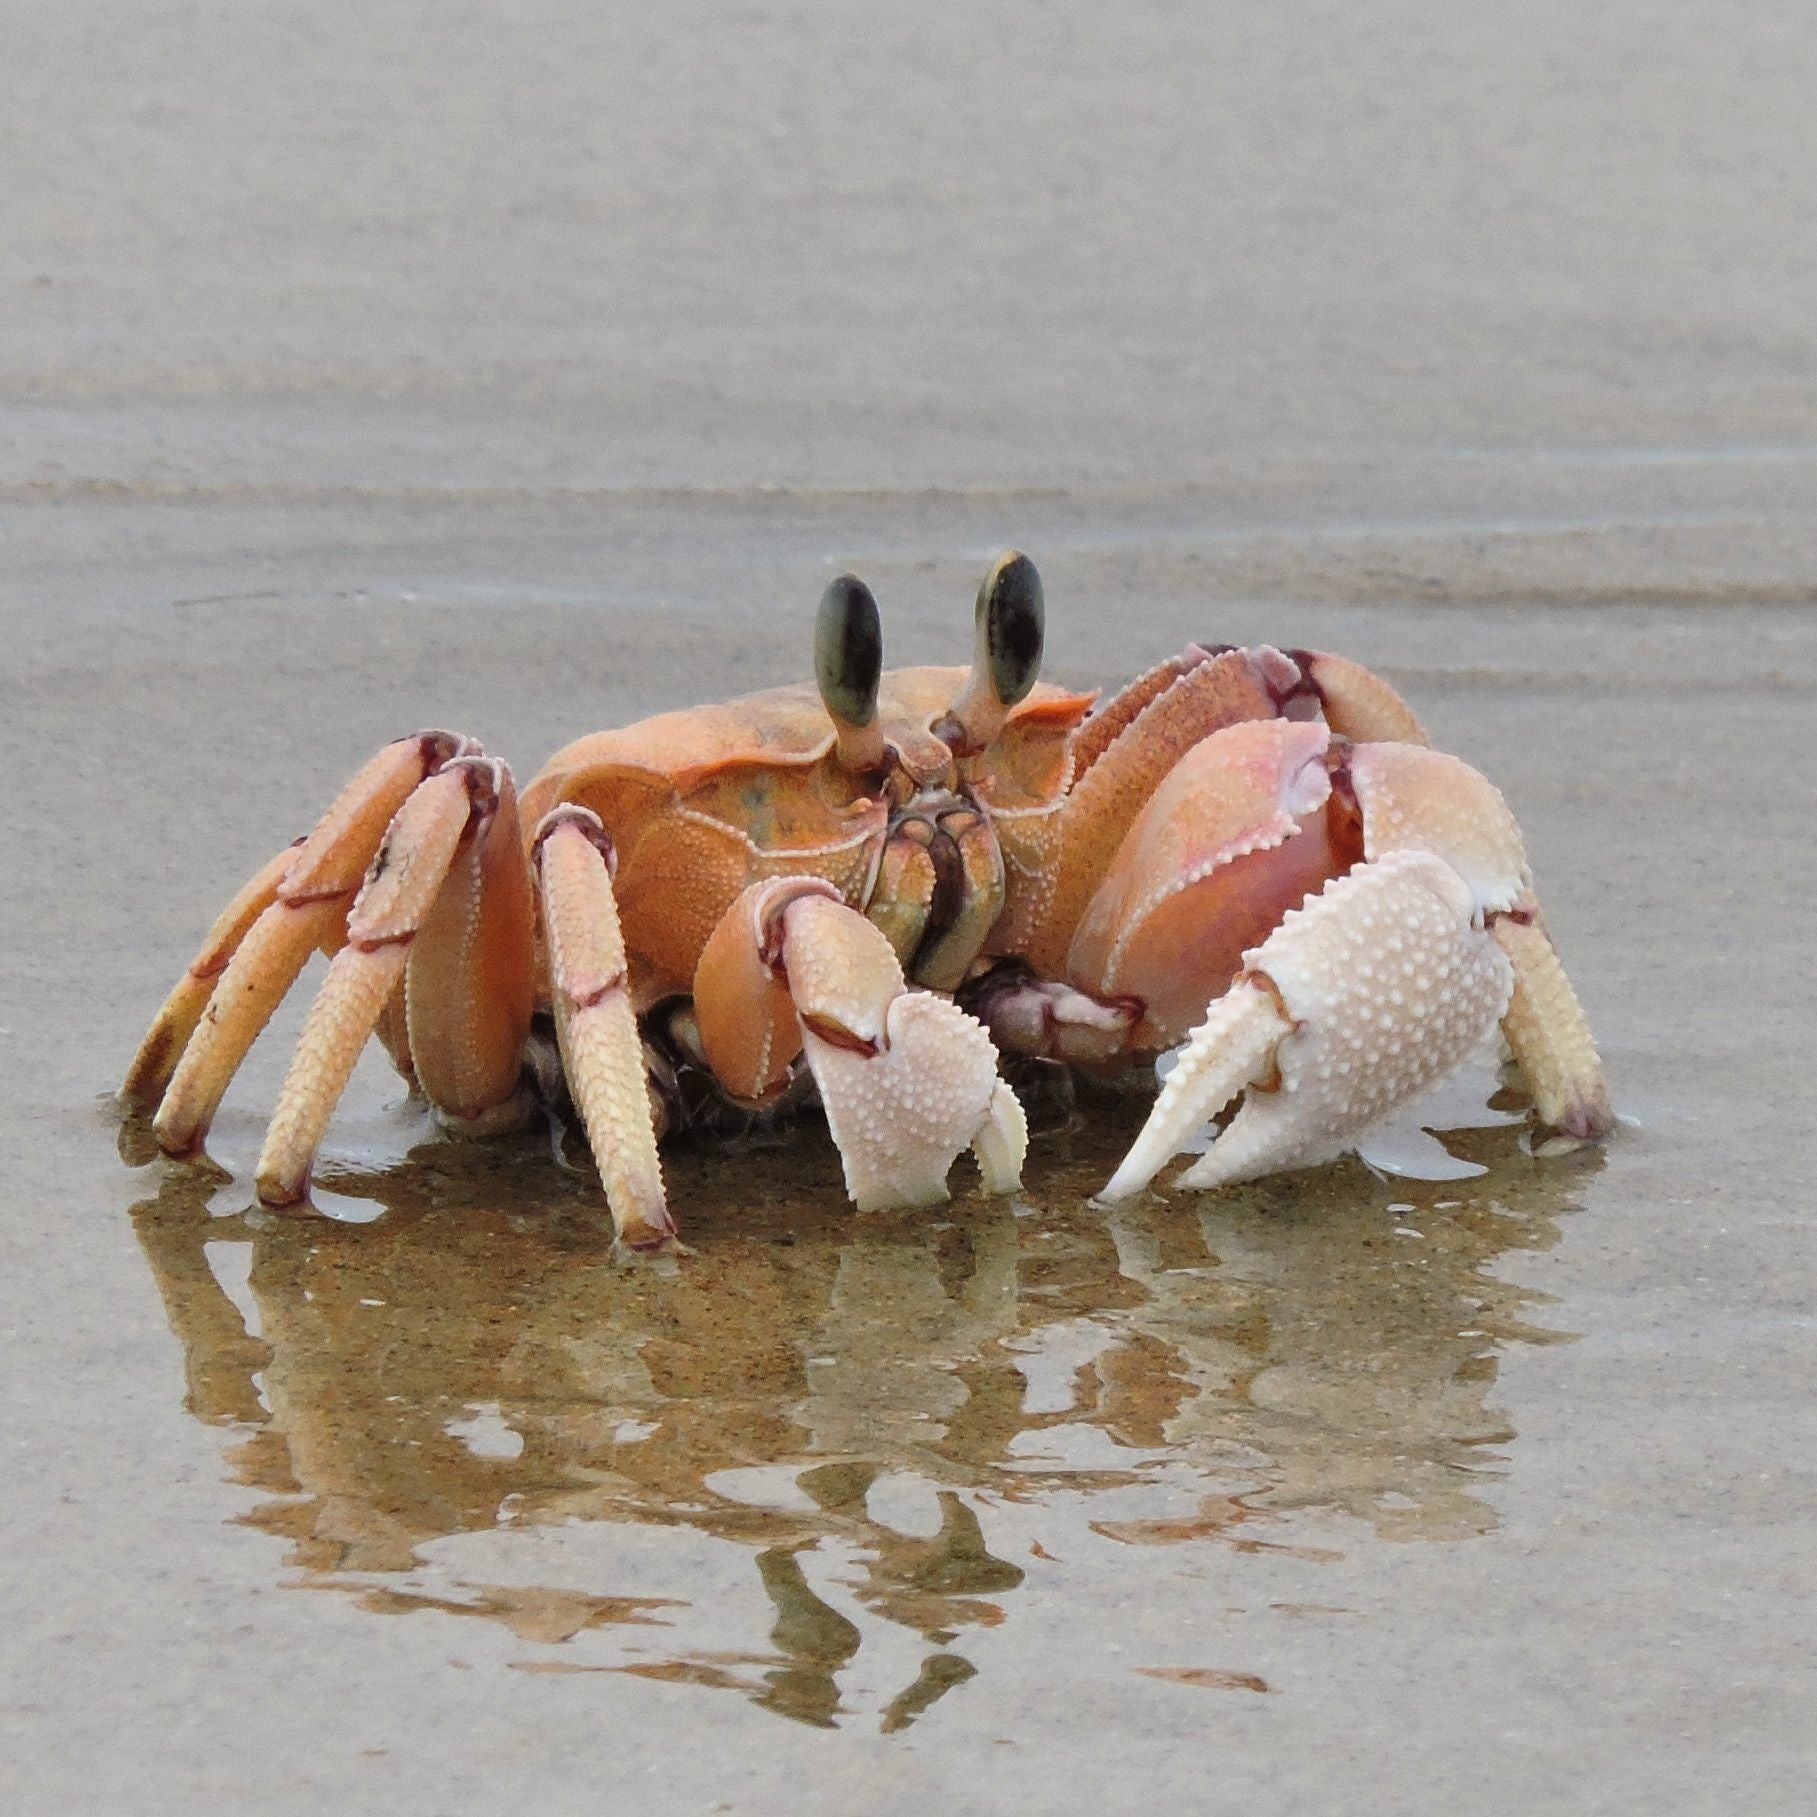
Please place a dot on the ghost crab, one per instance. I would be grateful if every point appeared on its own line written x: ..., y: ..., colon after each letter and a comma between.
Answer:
x: 873, y: 885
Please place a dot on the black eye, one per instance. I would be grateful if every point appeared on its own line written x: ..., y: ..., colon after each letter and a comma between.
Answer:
x: 848, y: 651
x: 1012, y: 624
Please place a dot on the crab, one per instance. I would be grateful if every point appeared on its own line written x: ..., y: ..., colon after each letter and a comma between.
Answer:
x: 874, y: 887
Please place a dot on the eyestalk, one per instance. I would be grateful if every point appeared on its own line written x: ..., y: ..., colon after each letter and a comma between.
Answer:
x: 1006, y: 661
x: 848, y: 664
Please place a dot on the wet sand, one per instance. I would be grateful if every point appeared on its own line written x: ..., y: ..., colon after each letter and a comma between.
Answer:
x: 527, y: 375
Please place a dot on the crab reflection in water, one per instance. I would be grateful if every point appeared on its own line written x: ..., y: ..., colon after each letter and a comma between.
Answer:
x: 903, y: 1420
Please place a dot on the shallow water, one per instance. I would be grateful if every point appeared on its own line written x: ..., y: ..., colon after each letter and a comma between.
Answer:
x: 902, y: 1429
x: 530, y: 369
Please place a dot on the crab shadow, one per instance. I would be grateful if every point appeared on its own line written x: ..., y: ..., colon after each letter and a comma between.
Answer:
x: 477, y: 1359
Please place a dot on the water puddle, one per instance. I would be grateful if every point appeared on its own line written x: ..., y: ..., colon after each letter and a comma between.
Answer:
x: 822, y: 1459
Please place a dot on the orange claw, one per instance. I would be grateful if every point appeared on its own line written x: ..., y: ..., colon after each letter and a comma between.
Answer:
x: 742, y: 1007
x: 1233, y: 838
x: 1123, y: 777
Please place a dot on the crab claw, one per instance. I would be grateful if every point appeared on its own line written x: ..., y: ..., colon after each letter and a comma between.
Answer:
x: 907, y: 1079
x: 1370, y: 993
x: 900, y: 1115
x: 1234, y: 837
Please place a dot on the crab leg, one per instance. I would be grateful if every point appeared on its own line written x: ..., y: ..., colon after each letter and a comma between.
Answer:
x: 152, y: 1066
x: 907, y: 1078
x: 470, y: 985
x: 391, y: 909
x: 602, y: 1053
x: 1550, y: 1035
x: 306, y: 911
x: 1356, y: 702
x: 256, y: 981
x: 1422, y: 800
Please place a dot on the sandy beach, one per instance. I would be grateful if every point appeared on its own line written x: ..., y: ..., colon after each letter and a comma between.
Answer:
x: 527, y: 369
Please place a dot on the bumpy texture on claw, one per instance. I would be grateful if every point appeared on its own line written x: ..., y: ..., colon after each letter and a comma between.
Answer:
x: 1205, y: 697
x: 907, y: 1078
x: 1419, y: 800
x: 1231, y: 1049
x: 1384, y: 982
x: 1423, y: 800
x: 1356, y: 702
x: 901, y: 1116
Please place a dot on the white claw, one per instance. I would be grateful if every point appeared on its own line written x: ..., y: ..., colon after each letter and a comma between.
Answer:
x: 1390, y: 985
x: 1230, y: 1049
x: 901, y: 1116
x: 1002, y: 1144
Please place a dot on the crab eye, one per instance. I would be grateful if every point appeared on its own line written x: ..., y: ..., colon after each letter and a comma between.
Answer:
x: 848, y: 651
x: 1012, y: 620
x: 848, y: 664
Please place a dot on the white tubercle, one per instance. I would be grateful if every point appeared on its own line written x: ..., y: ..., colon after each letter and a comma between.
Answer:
x: 1391, y: 987
x: 900, y: 1117
x: 1387, y: 986
x: 1227, y: 1051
